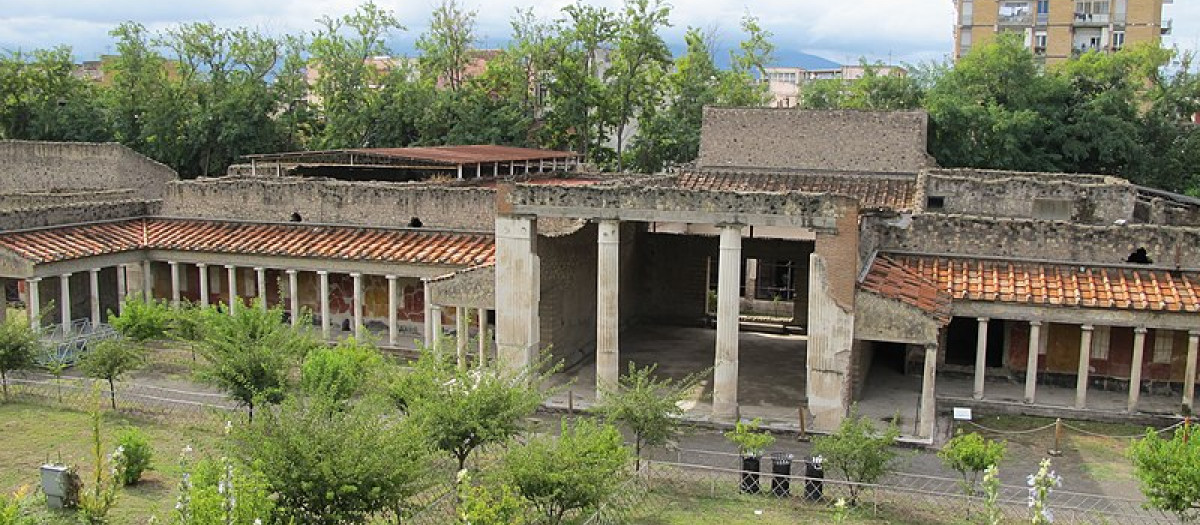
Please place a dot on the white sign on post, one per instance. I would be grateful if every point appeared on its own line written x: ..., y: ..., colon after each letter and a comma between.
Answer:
x: 962, y: 414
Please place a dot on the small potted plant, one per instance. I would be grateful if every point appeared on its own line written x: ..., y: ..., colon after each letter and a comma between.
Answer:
x: 751, y: 444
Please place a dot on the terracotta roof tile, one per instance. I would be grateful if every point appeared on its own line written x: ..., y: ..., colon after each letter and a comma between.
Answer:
x: 888, y: 279
x: 872, y: 191
x: 1051, y: 284
x: 291, y: 240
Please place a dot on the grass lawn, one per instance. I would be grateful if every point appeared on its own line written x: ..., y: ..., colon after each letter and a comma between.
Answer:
x: 675, y: 508
x: 33, y: 434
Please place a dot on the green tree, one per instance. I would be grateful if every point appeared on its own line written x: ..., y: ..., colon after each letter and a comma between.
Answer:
x: 341, y: 372
x: 486, y: 505
x: 142, y: 320
x: 447, y: 47
x: 649, y: 407
x: 18, y: 346
x: 970, y: 454
x: 110, y: 360
x: 751, y: 443
x: 139, y: 77
x: 463, y: 410
x: 858, y: 451
x: 575, y: 89
x: 40, y: 98
x: 1169, y: 471
x: 248, y: 353
x: 574, y: 471
x: 639, y: 62
x: 330, y: 466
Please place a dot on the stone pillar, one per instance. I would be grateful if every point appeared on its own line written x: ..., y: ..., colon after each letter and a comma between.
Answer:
x: 751, y: 284
x: 428, y: 313
x: 1135, y: 368
x: 460, y: 172
x: 122, y: 289
x: 231, y: 270
x: 1031, y: 365
x: 324, y: 290
x: 518, y: 291
x: 928, y: 401
x: 358, y: 304
x: 462, y: 330
x: 393, y: 305
x: 435, y: 313
x: 293, y: 296
x: 479, y: 170
x: 3, y: 300
x: 512, y: 169
x: 483, y: 336
x: 175, y: 295
x: 725, y: 375
x: 1189, y: 377
x: 94, y: 295
x: 608, y: 285
x: 980, y: 357
x: 33, y: 303
x: 495, y: 169
x: 1085, y: 360
x: 147, y: 281
x: 261, y: 286
x: 203, y: 269
x: 64, y: 288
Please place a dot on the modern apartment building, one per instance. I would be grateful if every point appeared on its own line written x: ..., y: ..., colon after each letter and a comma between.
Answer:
x: 1057, y: 29
x: 787, y: 83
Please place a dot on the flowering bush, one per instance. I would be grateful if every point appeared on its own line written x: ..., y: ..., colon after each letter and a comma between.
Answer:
x: 135, y: 454
x: 1041, y: 484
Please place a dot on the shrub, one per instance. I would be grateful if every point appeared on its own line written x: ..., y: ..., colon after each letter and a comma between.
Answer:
x: 1169, y: 471
x: 340, y: 372
x: 110, y: 360
x: 96, y: 502
x: 576, y: 470
x: 647, y: 406
x: 857, y: 451
x: 18, y: 346
x: 136, y: 453
x: 750, y: 442
x: 14, y: 509
x: 483, y: 505
x: 141, y: 320
x: 969, y: 455
x: 216, y: 492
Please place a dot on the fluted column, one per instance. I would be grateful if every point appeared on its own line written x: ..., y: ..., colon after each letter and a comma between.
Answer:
x: 64, y: 288
x: 393, y: 305
x: 725, y: 375
x: 462, y: 330
x: 33, y: 302
x: 358, y: 305
x: 175, y: 294
x: 261, y: 286
x: 427, y: 314
x: 608, y: 266
x: 980, y: 357
x: 293, y: 297
x: 1189, y: 377
x: 1031, y: 366
x: 324, y: 289
x: 435, y: 312
x: 94, y: 294
x: 1085, y: 360
x: 483, y: 336
x: 147, y: 281
x: 928, y: 401
x: 203, y: 269
x: 232, y: 272
x: 122, y: 289
x: 1135, y: 368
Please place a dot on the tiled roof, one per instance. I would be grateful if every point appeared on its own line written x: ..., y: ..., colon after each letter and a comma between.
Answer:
x: 292, y: 240
x: 1051, y: 284
x: 872, y: 191
x: 453, y: 155
x: 895, y: 281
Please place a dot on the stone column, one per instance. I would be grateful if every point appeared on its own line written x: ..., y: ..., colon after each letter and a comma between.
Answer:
x: 751, y: 284
x: 518, y: 291
x: 980, y: 357
x: 460, y: 172
x: 64, y: 288
x: 358, y: 305
x: 147, y: 281
x: 261, y: 286
x: 608, y: 285
x: 427, y: 313
x: 3, y: 300
x: 122, y: 289
x: 1035, y: 340
x: 495, y: 169
x: 928, y: 401
x: 483, y: 336
x: 1189, y: 377
x: 203, y: 269
x: 175, y: 295
x: 33, y: 303
x: 393, y: 304
x: 1085, y: 360
x: 512, y: 169
x: 94, y: 285
x: 324, y: 290
x: 435, y: 312
x: 231, y: 272
x: 725, y: 375
x: 293, y: 296
x: 462, y: 330
x: 1135, y: 368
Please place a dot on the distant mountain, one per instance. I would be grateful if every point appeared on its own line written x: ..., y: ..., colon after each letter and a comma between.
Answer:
x: 793, y: 58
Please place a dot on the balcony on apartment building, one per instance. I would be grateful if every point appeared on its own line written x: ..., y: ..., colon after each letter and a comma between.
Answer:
x: 1093, y: 19
x: 1015, y: 17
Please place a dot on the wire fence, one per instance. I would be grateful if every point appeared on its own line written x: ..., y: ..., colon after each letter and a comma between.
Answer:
x: 142, y: 400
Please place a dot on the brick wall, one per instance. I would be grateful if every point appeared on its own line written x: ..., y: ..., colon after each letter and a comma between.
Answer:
x: 370, y: 204
x: 44, y: 166
x: 1091, y: 199
x: 869, y: 141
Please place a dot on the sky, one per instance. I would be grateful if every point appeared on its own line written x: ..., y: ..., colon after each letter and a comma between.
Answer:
x: 894, y: 31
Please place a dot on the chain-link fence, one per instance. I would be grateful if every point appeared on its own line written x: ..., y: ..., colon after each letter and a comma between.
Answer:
x: 135, y: 399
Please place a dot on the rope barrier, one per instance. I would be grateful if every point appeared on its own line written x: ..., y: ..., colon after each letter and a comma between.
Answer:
x: 1142, y: 435
x: 1069, y: 426
x: 1013, y: 432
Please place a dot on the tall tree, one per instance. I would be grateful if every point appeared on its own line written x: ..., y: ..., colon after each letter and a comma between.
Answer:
x: 40, y: 98
x: 446, y: 50
x: 639, y: 61
x: 576, y: 89
x: 139, y: 76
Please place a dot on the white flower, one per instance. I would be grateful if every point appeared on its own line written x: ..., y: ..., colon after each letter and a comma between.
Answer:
x: 257, y: 521
x: 228, y: 426
x: 187, y: 449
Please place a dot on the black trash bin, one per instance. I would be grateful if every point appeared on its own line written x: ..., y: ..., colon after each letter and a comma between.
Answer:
x: 781, y: 467
x: 749, y: 483
x: 814, y: 485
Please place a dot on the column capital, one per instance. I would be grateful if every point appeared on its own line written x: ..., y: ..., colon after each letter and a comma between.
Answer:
x: 230, y: 266
x: 1087, y: 328
x: 356, y: 275
x: 322, y: 272
x: 202, y: 265
x: 1035, y: 323
x: 33, y: 279
x: 983, y: 319
x: 931, y: 347
x: 290, y: 272
x: 173, y: 263
x: 1139, y: 330
x: 392, y: 277
x: 65, y: 275
x: 730, y: 225
x: 259, y: 269
x: 1193, y: 333
x: 94, y: 270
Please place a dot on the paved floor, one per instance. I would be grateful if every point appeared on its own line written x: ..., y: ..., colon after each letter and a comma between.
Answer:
x: 1056, y: 396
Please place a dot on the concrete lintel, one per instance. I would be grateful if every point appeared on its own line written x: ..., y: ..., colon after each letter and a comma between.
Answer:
x: 87, y: 263
x: 304, y: 264
x: 823, y: 224
x: 1075, y: 315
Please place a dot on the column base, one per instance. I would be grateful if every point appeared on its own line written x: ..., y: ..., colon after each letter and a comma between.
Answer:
x: 977, y: 397
x: 726, y: 412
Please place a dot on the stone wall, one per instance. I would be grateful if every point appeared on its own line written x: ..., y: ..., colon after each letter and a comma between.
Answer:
x: 864, y: 141
x: 41, y: 217
x: 568, y: 293
x: 37, y: 199
x: 322, y: 201
x: 1086, y: 198
x: 73, y: 166
x: 1168, y: 246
